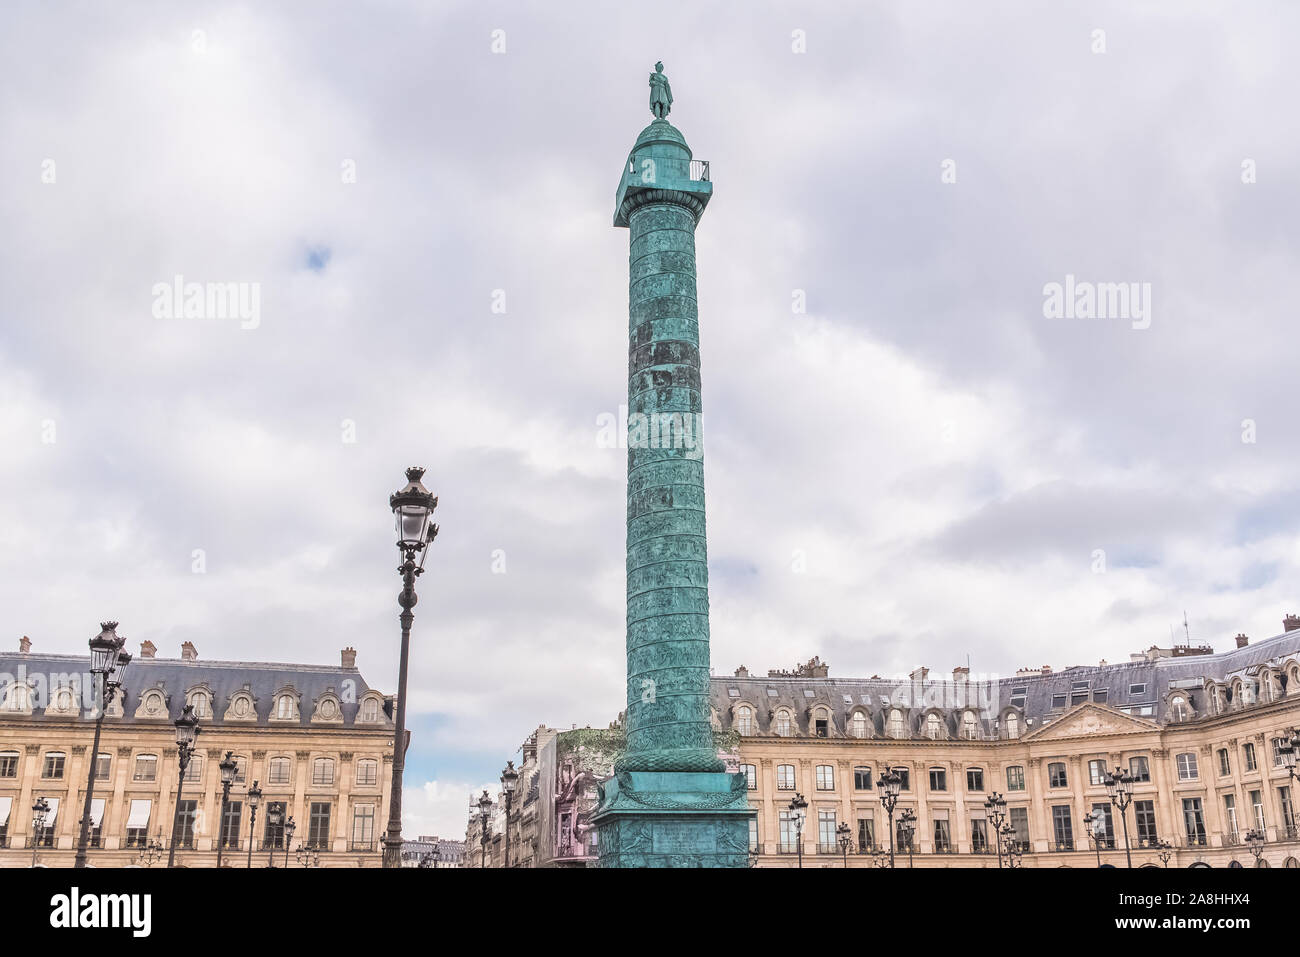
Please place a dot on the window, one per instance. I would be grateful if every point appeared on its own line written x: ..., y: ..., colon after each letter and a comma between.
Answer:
x: 866, y: 834
x: 753, y: 834
x: 277, y: 771
x: 938, y: 779
x: 903, y: 836
x: 1058, y: 702
x: 103, y: 766
x: 146, y: 767
x: 895, y: 723
x: 53, y: 767
x: 1178, y: 709
x: 1187, y: 766
x: 1096, y: 772
x: 785, y: 777
x: 284, y: 706
x: 969, y: 727
x: 137, y: 823
x: 363, y: 827
x: 367, y: 772
x: 1015, y: 778
x: 1284, y: 802
x: 1145, y: 814
x: 230, y: 829
x: 821, y: 724
x: 1078, y: 692
x: 1101, y: 695
x: 1280, y: 745
x: 1194, y: 822
x: 788, y: 834
x: 370, y: 710
x: 1019, y: 817
x: 859, y: 725
x: 825, y: 777
x: 783, y: 723
x: 1249, y: 752
x: 1140, y: 769
x: 185, y: 816
x: 933, y: 727
x: 751, y: 776
x: 905, y: 777
x: 1013, y: 725
x: 199, y: 701
x: 942, y: 837
x: 979, y: 836
x: 273, y: 835
x: 974, y: 779
x: 241, y: 764
x: 1056, y: 775
x: 1257, y: 805
x: 194, y: 770
x: 1106, y: 833
x: 745, y: 720
x: 322, y: 772
x: 1230, y: 816
x: 1018, y: 696
x: 826, y: 838
x: 1137, y: 690
x: 1225, y: 764
x: 8, y: 764
x: 862, y: 779
x: 1062, y: 828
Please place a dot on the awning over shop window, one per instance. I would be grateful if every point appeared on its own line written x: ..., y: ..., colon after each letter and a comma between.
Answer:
x: 139, y: 814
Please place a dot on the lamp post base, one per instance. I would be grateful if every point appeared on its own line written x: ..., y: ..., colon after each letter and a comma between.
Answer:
x: 392, y: 852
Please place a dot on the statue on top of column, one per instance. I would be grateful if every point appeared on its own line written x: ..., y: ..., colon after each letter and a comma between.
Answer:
x: 661, y: 94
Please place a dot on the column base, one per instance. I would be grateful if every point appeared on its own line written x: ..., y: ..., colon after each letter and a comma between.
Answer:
x: 673, y: 819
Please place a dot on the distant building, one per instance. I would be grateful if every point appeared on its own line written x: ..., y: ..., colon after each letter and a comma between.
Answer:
x: 432, y: 851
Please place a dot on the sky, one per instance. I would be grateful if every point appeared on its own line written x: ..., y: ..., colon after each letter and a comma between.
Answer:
x: 911, y: 460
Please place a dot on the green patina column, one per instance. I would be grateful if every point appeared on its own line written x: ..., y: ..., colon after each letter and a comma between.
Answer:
x: 670, y: 804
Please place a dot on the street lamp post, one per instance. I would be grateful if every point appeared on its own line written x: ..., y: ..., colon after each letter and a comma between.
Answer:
x: 996, y: 809
x: 798, y: 809
x: 307, y: 856
x: 412, y: 507
x: 254, y: 797
x: 228, y: 766
x: 187, y: 730
x: 1010, y: 846
x: 484, y: 813
x: 39, y: 812
x: 1255, y: 840
x: 843, y: 832
x: 1096, y: 822
x: 275, y: 825
x: 1119, y: 785
x: 907, y: 825
x: 509, y: 781
x: 289, y: 828
x: 107, y: 668
x: 1166, y: 851
x: 890, y: 783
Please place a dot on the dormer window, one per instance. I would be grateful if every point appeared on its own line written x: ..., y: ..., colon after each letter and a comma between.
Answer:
x: 933, y: 727
x: 370, y: 710
x: 783, y: 723
x: 821, y: 723
x: 969, y: 727
x: 859, y: 725
x: 284, y: 706
x: 745, y: 719
x: 895, y: 723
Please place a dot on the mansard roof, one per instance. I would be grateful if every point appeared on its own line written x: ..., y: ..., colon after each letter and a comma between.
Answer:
x: 176, y: 676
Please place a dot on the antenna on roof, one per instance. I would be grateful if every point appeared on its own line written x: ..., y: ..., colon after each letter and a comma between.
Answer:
x: 1187, y: 631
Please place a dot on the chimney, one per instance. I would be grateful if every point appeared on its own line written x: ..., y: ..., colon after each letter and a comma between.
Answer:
x: 187, y: 652
x: 1291, y: 623
x: 24, y: 645
x: 1242, y: 640
x: 742, y: 672
x: 349, y: 657
x: 960, y: 673
x: 147, y: 649
x: 919, y: 674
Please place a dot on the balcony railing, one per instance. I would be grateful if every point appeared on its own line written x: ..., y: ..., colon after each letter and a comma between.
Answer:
x: 1231, y: 838
x: 1061, y: 846
x: 363, y: 846
x: 944, y: 849
x: 787, y: 848
x: 1195, y: 840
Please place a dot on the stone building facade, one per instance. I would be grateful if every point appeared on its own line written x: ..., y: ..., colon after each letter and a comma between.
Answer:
x: 317, y: 739
x: 1199, y: 731
x: 429, y: 850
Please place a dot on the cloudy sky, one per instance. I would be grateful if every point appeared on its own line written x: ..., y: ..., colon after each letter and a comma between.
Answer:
x: 917, y: 467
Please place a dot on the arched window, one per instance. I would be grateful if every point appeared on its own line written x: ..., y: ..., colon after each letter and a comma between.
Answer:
x: 284, y: 706
x: 933, y: 727
x: 322, y: 772
x: 16, y: 696
x: 194, y: 770
x: 969, y: 727
x: 370, y: 710
x: 63, y: 699
x: 895, y: 723
x: 745, y: 719
x: 277, y: 771
x: 1178, y: 710
x: 785, y: 777
x: 821, y: 723
x: 367, y: 772
x: 8, y: 764
x: 783, y: 723
x: 859, y: 725
x: 199, y: 702
x: 1013, y: 725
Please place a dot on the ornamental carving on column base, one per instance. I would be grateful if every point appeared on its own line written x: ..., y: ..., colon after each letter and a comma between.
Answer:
x: 215, y: 754
x: 124, y: 752
x: 345, y: 757
x: 169, y: 752
x: 78, y: 749
x: 302, y: 755
x: 259, y: 755
x: 32, y: 748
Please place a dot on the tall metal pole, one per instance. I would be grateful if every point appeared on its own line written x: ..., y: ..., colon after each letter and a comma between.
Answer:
x: 407, y: 599
x: 221, y: 827
x: 509, y: 796
x: 184, y: 760
x: 252, y: 831
x: 1123, y: 816
x: 83, y: 838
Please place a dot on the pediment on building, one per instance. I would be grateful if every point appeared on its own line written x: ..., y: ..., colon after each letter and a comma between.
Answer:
x: 1090, y: 719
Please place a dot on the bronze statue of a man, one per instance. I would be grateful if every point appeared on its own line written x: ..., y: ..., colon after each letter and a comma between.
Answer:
x: 661, y: 94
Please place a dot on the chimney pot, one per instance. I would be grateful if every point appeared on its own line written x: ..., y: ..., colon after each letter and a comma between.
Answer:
x: 147, y: 649
x: 349, y: 657
x: 188, y: 652
x: 1291, y: 623
x: 24, y: 645
x: 1242, y: 640
x: 960, y: 673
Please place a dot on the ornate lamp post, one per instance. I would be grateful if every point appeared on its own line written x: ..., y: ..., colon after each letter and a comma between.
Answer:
x: 307, y: 856
x: 1010, y: 846
x: 275, y: 824
x: 40, y: 810
x: 996, y: 809
x: 254, y: 797
x: 1166, y: 851
x: 187, y: 730
x: 432, y: 858
x: 484, y: 815
x: 890, y: 783
x: 907, y: 825
x: 509, y: 781
x: 412, y: 507
x: 107, y: 668
x: 151, y: 852
x: 1119, y: 785
x: 798, y: 810
x: 228, y: 766
x: 1255, y: 840
x: 289, y: 828
x: 843, y: 832
x: 1096, y: 822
